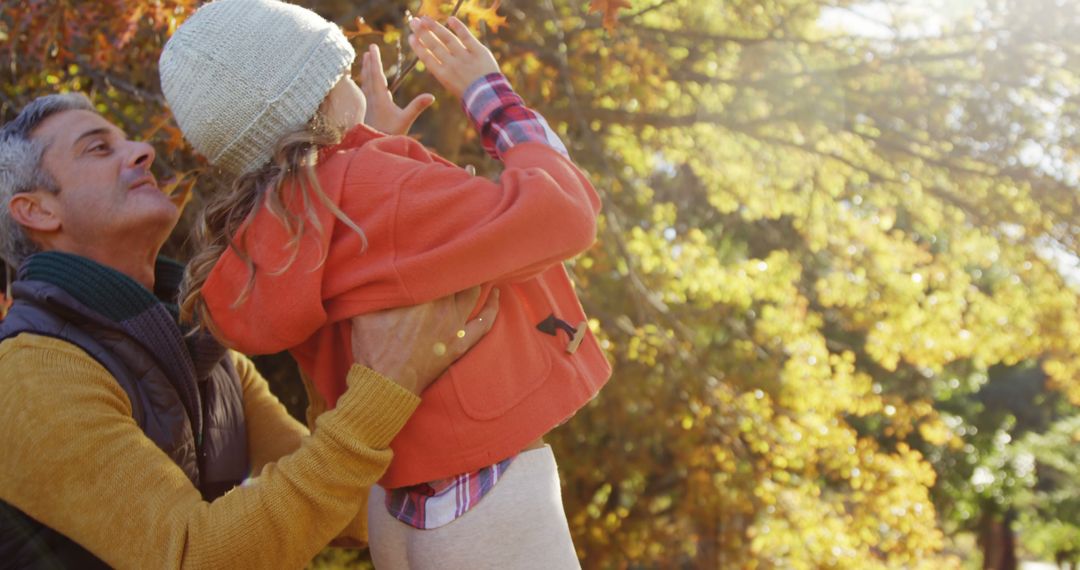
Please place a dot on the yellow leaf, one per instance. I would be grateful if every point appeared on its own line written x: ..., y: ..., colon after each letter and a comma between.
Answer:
x: 475, y: 13
x: 431, y: 8
x: 391, y: 35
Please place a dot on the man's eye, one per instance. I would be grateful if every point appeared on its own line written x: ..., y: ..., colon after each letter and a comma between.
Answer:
x: 98, y: 147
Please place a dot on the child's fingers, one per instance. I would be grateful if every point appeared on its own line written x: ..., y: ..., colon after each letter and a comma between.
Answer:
x: 369, y: 83
x: 425, y: 55
x: 451, y: 41
x: 434, y: 45
x: 418, y: 104
x: 467, y: 39
x: 365, y: 74
x: 423, y: 52
x: 425, y: 31
x: 378, y: 74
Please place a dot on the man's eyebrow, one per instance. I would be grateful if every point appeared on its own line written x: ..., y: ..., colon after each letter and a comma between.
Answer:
x: 91, y: 133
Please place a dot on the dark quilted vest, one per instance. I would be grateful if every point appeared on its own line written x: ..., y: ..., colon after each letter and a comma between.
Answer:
x: 184, y: 391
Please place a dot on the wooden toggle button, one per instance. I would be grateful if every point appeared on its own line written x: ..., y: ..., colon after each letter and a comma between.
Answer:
x: 579, y: 335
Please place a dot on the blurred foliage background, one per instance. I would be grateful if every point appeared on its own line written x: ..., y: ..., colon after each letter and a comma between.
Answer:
x: 837, y: 269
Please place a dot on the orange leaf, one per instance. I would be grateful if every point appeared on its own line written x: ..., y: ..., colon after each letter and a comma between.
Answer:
x: 173, y: 138
x: 431, y: 8
x: 610, y: 9
x: 132, y: 27
x: 179, y: 189
x: 362, y: 29
x: 102, y: 51
x: 472, y: 10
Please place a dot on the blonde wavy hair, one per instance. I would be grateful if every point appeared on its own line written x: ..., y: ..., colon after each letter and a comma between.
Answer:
x: 224, y: 219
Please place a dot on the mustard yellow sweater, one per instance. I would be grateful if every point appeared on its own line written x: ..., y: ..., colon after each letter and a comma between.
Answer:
x: 74, y: 459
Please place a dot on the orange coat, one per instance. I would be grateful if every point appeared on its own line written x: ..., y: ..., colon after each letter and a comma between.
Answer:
x: 432, y: 229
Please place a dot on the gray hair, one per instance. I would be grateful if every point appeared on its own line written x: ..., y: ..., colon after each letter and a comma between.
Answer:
x: 21, y: 170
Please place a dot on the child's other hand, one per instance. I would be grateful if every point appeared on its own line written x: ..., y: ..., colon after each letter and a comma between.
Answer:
x: 382, y: 113
x: 454, y: 56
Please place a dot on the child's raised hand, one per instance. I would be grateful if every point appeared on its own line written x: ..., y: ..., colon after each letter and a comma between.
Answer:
x: 454, y: 56
x: 382, y: 113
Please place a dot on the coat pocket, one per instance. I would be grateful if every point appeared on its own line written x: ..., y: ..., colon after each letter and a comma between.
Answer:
x: 510, y: 363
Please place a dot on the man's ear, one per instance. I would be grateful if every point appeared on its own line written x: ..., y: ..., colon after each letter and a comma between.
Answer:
x: 34, y: 211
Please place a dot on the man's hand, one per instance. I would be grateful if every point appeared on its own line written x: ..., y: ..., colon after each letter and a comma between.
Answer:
x: 456, y: 59
x: 382, y: 113
x: 414, y: 345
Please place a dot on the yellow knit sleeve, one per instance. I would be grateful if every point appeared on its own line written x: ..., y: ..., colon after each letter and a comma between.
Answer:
x: 75, y: 460
x: 273, y: 434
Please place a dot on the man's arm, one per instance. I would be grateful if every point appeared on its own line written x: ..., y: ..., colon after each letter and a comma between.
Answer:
x: 75, y: 460
x: 272, y: 432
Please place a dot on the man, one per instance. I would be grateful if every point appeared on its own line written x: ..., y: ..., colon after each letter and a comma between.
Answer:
x: 124, y: 436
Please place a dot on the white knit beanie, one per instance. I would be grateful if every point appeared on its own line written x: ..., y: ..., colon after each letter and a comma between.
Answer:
x: 241, y: 74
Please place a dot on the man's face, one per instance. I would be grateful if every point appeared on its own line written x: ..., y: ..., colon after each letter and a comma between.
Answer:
x: 108, y: 198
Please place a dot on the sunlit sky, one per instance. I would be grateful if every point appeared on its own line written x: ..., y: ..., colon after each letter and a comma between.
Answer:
x: 877, y: 19
x: 919, y: 18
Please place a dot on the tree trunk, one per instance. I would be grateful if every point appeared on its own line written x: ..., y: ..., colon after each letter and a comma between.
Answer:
x: 997, y: 540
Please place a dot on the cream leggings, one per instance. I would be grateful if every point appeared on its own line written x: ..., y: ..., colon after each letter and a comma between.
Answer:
x: 519, y: 524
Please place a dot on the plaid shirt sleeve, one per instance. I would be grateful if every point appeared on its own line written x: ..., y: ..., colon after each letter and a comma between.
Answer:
x: 502, y: 119
x: 432, y: 505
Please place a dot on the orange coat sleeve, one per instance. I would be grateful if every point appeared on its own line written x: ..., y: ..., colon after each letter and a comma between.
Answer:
x: 453, y: 230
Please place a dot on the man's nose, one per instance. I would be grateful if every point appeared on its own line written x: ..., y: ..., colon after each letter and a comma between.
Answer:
x: 142, y: 155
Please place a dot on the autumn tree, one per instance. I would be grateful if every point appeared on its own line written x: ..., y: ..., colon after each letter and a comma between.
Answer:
x: 1051, y: 523
x: 825, y: 223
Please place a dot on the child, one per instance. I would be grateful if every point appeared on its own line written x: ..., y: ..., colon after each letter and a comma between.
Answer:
x: 327, y: 218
